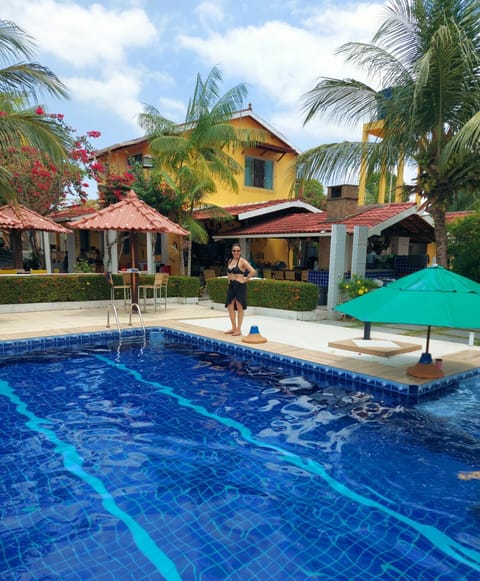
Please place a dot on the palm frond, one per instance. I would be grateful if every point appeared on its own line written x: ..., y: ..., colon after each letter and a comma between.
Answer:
x: 15, y: 43
x: 332, y: 161
x: 198, y: 233
x: 31, y: 79
x: 345, y: 100
x: 467, y: 139
x: 22, y: 128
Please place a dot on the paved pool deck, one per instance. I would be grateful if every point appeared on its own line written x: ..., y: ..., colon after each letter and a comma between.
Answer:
x: 306, y: 340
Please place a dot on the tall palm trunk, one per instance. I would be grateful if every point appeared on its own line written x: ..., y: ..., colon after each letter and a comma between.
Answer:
x: 438, y: 214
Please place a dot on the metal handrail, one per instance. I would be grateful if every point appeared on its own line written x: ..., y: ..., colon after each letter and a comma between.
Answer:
x: 115, y: 312
x: 134, y: 306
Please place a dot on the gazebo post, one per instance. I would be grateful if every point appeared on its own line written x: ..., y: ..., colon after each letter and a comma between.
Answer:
x: 134, y: 269
x: 47, y: 253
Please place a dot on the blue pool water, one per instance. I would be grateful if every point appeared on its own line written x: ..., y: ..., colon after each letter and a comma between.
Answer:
x: 172, y: 460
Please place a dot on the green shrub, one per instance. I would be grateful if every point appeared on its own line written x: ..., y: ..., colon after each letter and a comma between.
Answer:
x: 24, y: 289
x: 356, y: 286
x: 274, y: 294
x: 84, y: 266
x: 178, y: 286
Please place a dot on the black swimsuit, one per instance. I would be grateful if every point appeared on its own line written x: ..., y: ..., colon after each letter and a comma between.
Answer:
x: 235, y: 269
x: 236, y: 291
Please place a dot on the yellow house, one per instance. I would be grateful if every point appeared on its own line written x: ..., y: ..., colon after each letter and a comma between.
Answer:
x: 269, y: 171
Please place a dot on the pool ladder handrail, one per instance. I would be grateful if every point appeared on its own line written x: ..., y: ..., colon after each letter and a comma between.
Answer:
x: 133, y: 307
x: 115, y: 312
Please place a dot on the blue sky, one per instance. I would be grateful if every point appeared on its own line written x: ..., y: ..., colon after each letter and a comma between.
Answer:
x: 117, y: 55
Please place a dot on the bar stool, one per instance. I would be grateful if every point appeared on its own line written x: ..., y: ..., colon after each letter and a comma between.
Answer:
x: 159, y: 289
x: 126, y: 286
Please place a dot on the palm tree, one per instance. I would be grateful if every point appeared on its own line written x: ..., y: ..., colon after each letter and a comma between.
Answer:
x: 194, y: 156
x: 22, y: 122
x: 425, y: 60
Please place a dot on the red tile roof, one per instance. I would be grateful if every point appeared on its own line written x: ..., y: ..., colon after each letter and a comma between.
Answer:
x: 30, y: 220
x: 306, y: 223
x: 452, y: 216
x: 72, y: 212
x: 239, y: 209
x: 8, y: 223
x: 129, y: 214
x: 371, y: 216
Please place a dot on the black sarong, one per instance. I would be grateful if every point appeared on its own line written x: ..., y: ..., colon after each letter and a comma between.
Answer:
x: 237, y: 291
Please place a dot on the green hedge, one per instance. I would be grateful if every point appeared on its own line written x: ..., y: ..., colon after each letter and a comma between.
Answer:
x: 178, y: 286
x: 274, y: 294
x: 58, y: 288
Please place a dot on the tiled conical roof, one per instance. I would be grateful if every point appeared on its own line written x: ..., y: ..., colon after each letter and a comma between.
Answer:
x: 130, y: 214
x: 29, y: 220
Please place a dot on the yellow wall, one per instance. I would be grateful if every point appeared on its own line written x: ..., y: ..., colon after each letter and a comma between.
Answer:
x: 283, y: 182
x: 283, y: 173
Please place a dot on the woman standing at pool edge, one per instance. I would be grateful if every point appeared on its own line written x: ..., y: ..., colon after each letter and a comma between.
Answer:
x: 239, y: 272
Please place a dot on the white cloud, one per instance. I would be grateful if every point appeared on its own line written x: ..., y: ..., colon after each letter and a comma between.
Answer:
x: 285, y: 61
x: 210, y: 13
x: 97, y: 41
x: 350, y: 21
x: 173, y: 109
x: 118, y: 94
x: 115, y: 55
x: 86, y: 36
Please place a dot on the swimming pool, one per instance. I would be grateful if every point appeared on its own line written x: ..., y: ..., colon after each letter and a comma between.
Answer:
x: 175, y: 460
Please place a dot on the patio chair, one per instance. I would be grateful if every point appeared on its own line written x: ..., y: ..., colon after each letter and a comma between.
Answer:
x: 125, y: 286
x: 289, y: 275
x: 159, y: 289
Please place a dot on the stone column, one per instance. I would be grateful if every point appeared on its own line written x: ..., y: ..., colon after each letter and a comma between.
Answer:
x: 359, y: 251
x: 46, y: 251
x: 336, y: 268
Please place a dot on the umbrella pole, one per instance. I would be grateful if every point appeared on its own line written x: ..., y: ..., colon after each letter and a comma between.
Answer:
x: 367, y: 327
x: 427, y: 347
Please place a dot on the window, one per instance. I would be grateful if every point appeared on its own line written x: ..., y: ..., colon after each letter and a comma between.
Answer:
x: 133, y: 159
x: 336, y: 192
x: 258, y: 173
x: 145, y: 161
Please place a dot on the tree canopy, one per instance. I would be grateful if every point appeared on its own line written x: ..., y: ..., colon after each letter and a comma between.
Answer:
x: 464, y: 246
x: 424, y: 66
x: 22, y: 83
x: 192, y: 157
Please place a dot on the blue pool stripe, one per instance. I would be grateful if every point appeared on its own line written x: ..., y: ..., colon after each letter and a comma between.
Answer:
x: 438, y: 539
x: 73, y: 463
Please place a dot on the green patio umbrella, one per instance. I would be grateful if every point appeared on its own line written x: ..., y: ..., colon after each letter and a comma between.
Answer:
x: 434, y: 297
